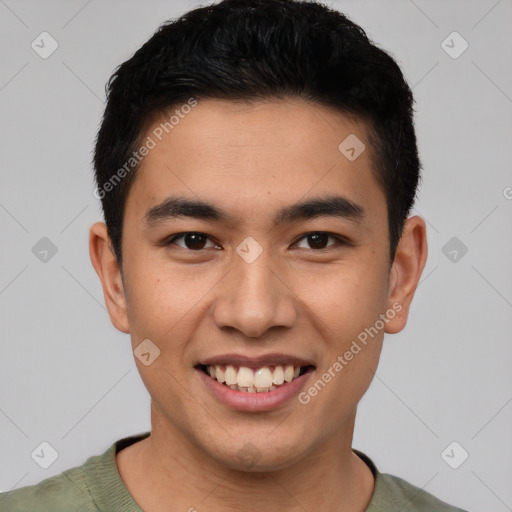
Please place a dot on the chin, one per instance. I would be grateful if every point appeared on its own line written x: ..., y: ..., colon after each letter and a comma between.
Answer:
x: 256, y: 455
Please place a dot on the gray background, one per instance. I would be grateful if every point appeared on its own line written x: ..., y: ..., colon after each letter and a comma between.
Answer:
x: 68, y: 377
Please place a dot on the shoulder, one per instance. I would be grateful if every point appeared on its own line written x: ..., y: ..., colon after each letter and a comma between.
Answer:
x: 66, y: 491
x: 394, y: 493
x: 92, y: 487
x: 410, y: 498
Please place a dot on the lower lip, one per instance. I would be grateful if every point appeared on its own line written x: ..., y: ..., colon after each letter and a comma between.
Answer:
x: 245, y: 401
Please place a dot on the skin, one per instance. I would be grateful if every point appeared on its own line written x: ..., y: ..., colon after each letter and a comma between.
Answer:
x: 295, y: 299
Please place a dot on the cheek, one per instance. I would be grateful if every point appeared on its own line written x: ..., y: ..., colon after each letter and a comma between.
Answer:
x: 348, y: 309
x: 150, y: 308
x: 166, y: 305
x: 346, y: 300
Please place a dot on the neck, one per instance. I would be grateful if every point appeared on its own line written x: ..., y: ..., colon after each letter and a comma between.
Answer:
x: 167, y: 468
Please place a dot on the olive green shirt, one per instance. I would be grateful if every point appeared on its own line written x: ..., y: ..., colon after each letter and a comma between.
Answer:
x: 97, y: 486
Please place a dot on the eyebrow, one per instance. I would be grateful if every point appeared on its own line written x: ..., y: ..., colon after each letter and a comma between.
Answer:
x: 179, y: 206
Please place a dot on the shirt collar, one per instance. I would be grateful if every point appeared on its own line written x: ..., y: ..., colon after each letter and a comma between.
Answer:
x: 111, y: 495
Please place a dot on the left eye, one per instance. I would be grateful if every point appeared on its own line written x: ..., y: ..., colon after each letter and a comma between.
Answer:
x: 319, y: 239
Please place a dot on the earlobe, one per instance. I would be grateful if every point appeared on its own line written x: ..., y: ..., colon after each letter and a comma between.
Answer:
x: 105, y: 263
x: 408, y: 265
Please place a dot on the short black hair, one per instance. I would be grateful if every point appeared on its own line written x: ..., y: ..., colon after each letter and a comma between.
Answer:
x: 249, y: 50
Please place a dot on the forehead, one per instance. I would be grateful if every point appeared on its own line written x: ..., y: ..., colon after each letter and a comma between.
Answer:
x: 286, y: 126
x: 274, y: 151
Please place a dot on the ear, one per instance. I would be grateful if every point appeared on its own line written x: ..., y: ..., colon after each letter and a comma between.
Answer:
x: 408, y: 264
x: 105, y: 263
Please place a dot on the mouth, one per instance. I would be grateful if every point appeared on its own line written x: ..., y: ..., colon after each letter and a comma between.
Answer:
x: 252, y: 377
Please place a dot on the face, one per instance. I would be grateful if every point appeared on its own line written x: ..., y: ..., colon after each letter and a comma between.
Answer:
x: 275, y: 279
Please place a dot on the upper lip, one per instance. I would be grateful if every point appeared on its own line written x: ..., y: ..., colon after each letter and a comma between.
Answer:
x: 273, y: 359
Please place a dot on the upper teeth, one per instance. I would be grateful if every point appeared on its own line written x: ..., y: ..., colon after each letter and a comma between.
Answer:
x: 260, y: 379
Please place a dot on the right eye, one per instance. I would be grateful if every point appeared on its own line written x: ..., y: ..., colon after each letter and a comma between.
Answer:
x: 192, y: 240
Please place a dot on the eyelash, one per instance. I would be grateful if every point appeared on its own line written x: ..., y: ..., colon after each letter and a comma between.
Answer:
x: 340, y: 240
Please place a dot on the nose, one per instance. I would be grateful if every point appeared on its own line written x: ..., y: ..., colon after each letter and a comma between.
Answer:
x: 253, y: 298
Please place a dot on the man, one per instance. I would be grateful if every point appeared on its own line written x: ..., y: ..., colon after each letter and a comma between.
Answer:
x: 256, y: 164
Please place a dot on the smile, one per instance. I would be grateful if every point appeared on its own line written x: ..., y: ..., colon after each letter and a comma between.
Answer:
x: 262, y: 379
x: 254, y: 384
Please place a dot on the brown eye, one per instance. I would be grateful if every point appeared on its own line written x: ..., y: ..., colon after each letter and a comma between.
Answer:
x: 318, y: 240
x: 192, y: 241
